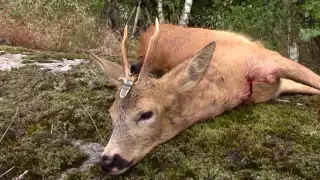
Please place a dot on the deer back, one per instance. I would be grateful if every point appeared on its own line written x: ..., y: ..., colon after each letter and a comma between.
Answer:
x: 177, y: 44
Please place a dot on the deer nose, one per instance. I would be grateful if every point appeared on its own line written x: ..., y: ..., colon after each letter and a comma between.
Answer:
x: 135, y: 68
x: 114, y: 164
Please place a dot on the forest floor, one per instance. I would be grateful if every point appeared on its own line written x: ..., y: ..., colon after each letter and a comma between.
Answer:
x: 47, y: 97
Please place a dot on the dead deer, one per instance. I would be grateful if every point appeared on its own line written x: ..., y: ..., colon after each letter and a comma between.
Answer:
x: 219, y: 77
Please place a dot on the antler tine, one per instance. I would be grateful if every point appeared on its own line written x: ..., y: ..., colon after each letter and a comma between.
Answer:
x: 124, y: 51
x: 147, y: 61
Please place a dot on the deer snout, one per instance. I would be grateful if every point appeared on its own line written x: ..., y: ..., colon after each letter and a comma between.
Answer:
x: 135, y: 68
x: 114, y: 164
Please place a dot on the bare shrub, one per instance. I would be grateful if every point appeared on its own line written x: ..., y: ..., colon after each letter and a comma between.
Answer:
x: 19, y: 34
x: 55, y: 25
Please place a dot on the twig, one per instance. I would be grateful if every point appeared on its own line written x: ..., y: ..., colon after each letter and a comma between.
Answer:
x: 10, y: 124
x: 51, y: 129
x: 130, y: 16
x: 148, y: 15
x: 136, y: 19
x: 91, y: 120
x: 22, y: 175
x: 282, y: 100
x: 7, y: 172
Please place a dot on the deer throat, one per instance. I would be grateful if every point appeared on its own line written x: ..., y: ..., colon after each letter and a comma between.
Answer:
x: 247, y: 99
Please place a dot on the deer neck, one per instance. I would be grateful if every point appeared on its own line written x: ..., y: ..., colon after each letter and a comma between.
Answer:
x: 216, y: 93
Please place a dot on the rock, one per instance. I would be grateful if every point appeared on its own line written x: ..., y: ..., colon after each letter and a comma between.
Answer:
x: 5, y: 41
x: 10, y: 61
x: 94, y: 151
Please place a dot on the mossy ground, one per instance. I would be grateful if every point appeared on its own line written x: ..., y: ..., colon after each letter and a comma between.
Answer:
x: 32, y: 56
x: 275, y: 140
x: 13, y: 49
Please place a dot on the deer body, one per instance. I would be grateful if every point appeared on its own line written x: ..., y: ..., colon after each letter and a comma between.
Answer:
x: 215, y: 76
x: 223, y: 87
x: 177, y: 44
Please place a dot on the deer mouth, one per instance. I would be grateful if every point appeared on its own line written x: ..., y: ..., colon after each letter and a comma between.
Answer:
x: 116, y: 171
x: 114, y: 164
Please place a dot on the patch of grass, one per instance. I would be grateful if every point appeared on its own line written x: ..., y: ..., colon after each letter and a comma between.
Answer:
x: 32, y: 56
x: 47, y: 57
x: 13, y: 49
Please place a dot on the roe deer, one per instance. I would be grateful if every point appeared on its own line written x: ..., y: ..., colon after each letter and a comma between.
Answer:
x: 219, y: 77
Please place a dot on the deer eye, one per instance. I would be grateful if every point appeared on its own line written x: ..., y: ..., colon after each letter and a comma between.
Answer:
x: 145, y: 116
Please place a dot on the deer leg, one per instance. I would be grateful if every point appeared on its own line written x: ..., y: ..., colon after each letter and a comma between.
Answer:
x: 292, y: 70
x: 289, y: 86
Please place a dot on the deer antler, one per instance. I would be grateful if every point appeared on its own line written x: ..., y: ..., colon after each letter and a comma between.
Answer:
x: 124, y: 51
x: 147, y: 61
x: 127, y: 79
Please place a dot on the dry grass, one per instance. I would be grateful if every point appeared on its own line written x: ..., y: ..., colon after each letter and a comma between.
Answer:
x: 19, y: 34
x: 55, y: 25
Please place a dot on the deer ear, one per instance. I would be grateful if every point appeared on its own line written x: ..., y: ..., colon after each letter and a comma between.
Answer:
x: 196, y: 68
x: 112, y: 70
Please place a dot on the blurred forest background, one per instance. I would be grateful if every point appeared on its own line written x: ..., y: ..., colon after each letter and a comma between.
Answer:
x: 65, y: 25
x: 291, y: 27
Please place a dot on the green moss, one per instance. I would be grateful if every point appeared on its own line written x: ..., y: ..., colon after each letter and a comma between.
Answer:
x: 43, y: 154
x: 53, y: 112
x: 13, y: 49
x: 275, y: 140
x: 47, y: 57
x: 32, y: 56
x: 267, y: 141
x: 90, y: 174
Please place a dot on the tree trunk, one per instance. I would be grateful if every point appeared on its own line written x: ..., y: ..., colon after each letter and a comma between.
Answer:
x: 136, y: 19
x: 110, y: 14
x: 185, y: 13
x: 160, y: 12
x: 292, y: 46
x: 294, y: 52
x: 131, y: 14
x: 148, y: 15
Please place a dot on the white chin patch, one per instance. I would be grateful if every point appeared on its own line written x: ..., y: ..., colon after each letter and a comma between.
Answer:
x: 116, y: 171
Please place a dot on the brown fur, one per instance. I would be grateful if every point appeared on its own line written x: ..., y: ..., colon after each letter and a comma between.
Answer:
x: 238, y: 71
x: 177, y: 44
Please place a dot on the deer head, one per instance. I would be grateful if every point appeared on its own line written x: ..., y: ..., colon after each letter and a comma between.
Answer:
x: 143, y: 108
